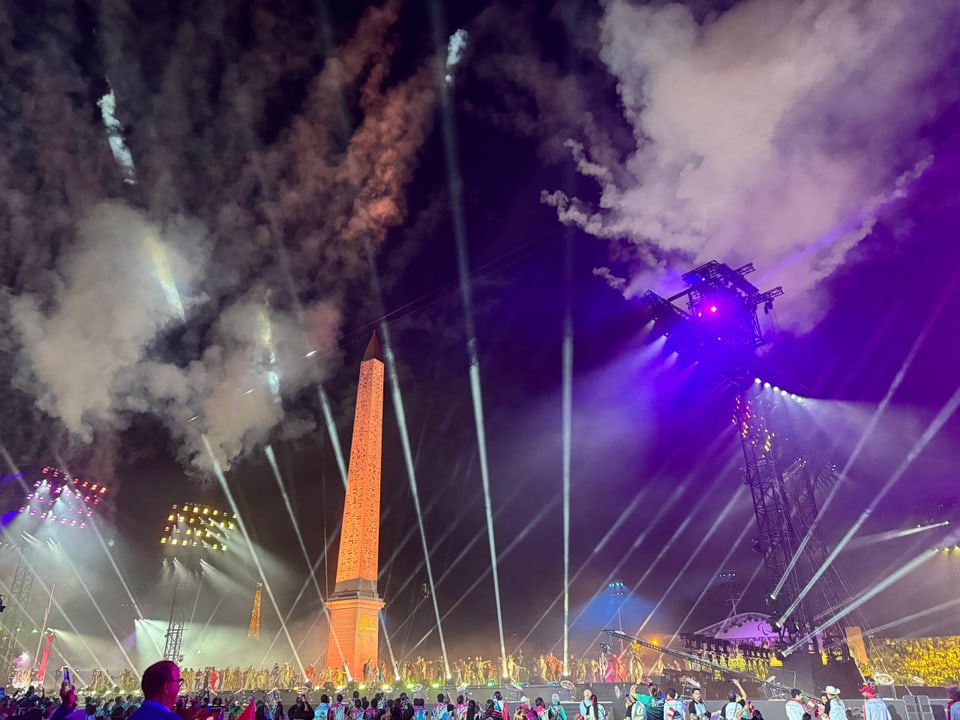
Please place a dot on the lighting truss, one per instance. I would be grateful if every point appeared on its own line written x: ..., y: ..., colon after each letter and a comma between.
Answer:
x: 715, y: 321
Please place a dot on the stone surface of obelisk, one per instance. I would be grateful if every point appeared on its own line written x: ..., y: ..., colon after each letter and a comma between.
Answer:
x: 355, y: 605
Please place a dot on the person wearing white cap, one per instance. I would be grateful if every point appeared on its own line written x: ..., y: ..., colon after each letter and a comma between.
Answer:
x: 838, y: 711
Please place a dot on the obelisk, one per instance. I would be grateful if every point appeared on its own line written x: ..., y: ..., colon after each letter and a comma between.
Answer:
x: 355, y: 605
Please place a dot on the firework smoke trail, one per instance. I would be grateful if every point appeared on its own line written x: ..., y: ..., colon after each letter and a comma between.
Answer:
x: 567, y: 430
x: 729, y: 96
x: 455, y: 189
x: 164, y: 273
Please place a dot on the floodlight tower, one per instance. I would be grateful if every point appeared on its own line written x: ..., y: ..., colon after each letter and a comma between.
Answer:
x: 717, y: 318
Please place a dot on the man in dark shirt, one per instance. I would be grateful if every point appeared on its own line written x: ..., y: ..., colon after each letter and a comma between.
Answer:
x: 161, y: 687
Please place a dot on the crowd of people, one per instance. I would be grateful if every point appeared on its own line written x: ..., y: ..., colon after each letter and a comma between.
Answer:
x: 166, y: 697
x: 606, y: 666
x: 916, y: 661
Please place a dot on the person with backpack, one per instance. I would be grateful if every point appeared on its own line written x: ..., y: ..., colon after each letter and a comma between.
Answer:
x: 673, y: 708
x: 556, y: 711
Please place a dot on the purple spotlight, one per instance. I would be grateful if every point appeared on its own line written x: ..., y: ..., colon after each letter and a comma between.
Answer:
x: 713, y: 308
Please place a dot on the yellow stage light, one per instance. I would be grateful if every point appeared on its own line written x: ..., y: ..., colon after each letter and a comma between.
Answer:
x: 163, y: 541
x: 206, y: 511
x: 169, y: 518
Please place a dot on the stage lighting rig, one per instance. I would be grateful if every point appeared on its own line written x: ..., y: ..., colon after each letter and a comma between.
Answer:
x: 715, y: 322
x: 193, y: 528
x: 61, y: 499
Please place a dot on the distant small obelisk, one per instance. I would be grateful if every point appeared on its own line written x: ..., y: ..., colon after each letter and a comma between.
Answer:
x: 355, y: 605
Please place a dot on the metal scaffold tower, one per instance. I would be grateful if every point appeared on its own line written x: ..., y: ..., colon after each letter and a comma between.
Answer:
x: 15, y: 616
x: 717, y: 320
x: 172, y: 648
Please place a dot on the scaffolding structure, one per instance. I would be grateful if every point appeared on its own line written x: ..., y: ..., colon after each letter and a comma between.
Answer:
x: 15, y: 616
x: 173, y: 644
x: 717, y: 318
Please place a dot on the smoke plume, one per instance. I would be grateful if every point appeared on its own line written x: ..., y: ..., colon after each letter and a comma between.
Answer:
x: 775, y: 132
x: 187, y: 210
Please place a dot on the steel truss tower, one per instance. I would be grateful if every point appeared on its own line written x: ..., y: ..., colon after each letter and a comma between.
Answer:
x: 716, y: 318
x: 172, y: 647
x: 16, y: 608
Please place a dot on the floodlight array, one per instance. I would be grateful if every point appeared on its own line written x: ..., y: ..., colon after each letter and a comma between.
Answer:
x: 194, y: 526
x: 58, y: 497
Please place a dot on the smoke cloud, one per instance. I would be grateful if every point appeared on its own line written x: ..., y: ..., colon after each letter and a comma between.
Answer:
x: 201, y: 279
x: 775, y: 133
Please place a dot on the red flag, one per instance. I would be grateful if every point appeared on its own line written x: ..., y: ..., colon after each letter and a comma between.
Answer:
x: 250, y: 712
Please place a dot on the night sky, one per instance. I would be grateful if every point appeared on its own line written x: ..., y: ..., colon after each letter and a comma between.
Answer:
x: 302, y: 171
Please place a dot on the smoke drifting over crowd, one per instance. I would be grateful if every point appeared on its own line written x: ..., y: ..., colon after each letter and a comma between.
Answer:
x: 775, y: 132
x: 186, y: 213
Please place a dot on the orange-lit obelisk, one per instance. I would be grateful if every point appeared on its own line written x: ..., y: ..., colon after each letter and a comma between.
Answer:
x: 355, y: 605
